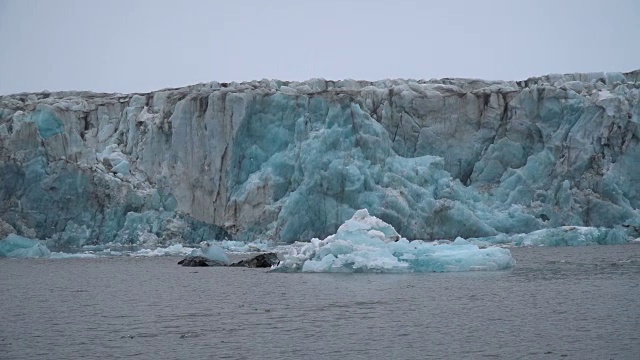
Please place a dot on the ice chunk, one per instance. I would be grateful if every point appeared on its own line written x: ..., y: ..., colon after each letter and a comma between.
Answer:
x: 460, y: 241
x: 573, y: 236
x: 362, y: 222
x: 116, y: 158
x: 215, y: 252
x: 173, y: 250
x: 244, y: 247
x: 3, y: 131
x: 560, y: 236
x: 212, y: 252
x: 121, y: 168
x: 21, y: 247
x: 356, y: 247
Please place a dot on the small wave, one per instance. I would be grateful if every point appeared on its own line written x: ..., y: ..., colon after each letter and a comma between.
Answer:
x: 63, y: 255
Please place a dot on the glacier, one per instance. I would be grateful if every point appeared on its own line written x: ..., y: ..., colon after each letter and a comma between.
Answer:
x: 496, y: 161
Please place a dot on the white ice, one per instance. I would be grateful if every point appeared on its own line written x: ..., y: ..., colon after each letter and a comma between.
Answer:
x: 212, y: 252
x: 172, y: 250
x: 363, y: 244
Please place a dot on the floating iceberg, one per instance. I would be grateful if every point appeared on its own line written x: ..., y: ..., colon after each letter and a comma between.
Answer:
x: 21, y: 247
x: 367, y: 244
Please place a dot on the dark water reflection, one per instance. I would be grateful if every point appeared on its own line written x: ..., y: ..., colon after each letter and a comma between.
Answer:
x: 578, y: 303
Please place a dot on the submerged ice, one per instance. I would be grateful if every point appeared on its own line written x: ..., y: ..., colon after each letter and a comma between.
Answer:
x: 366, y: 244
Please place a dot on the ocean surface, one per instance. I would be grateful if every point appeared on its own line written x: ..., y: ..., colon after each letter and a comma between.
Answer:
x: 557, y: 303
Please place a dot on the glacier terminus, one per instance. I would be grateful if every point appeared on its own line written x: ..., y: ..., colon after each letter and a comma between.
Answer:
x: 551, y: 160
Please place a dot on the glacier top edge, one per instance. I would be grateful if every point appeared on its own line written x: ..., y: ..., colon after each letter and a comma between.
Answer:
x: 315, y: 85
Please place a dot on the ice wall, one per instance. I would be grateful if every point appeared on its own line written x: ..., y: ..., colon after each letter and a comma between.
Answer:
x: 293, y: 160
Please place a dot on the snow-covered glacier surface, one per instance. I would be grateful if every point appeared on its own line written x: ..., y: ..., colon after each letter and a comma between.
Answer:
x: 550, y: 158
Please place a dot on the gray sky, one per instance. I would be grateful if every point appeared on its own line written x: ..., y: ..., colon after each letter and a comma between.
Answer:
x: 128, y: 46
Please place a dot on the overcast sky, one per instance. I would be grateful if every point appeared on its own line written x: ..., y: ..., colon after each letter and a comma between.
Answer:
x: 133, y: 46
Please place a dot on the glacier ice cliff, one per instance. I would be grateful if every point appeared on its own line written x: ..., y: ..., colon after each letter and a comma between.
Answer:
x: 289, y: 161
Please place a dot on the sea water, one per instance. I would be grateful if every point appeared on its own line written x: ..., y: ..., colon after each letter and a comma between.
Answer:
x: 556, y: 303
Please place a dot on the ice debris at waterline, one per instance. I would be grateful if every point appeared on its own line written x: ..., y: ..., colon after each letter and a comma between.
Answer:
x: 561, y: 236
x: 367, y: 244
x: 212, y: 252
x: 21, y: 247
x: 15, y: 246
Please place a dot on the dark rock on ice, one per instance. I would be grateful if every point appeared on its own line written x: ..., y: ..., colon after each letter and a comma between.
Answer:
x: 199, y: 261
x: 259, y: 261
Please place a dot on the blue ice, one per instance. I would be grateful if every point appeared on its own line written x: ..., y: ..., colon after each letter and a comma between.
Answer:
x: 17, y: 246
